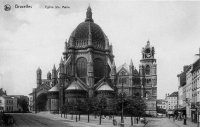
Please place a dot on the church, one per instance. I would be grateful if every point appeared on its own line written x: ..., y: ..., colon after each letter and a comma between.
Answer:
x: 87, y: 69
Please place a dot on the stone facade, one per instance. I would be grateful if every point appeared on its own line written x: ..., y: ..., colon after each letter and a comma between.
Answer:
x: 148, y: 78
x: 87, y: 69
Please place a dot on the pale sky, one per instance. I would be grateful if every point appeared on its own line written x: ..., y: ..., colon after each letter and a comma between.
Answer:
x: 32, y: 38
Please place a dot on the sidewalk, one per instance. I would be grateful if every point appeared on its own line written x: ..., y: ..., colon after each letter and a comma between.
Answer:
x: 180, y: 123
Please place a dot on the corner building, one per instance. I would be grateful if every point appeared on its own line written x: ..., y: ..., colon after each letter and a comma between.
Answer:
x: 87, y: 69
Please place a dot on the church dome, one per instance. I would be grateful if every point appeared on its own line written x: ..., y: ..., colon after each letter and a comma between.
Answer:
x: 88, y: 33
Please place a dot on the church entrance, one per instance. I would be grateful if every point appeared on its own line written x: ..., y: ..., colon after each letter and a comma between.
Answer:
x: 41, y: 102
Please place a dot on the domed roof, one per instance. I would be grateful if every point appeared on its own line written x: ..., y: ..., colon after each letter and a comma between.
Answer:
x: 87, y: 31
x: 82, y: 32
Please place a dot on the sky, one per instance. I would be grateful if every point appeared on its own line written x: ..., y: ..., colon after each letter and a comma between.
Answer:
x: 34, y: 37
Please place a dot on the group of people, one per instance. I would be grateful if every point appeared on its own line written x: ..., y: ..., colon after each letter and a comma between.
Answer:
x: 6, y: 119
x: 178, y: 116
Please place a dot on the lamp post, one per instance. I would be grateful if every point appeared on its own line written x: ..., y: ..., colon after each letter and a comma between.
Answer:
x: 35, y: 98
x: 122, y: 100
x: 187, y: 101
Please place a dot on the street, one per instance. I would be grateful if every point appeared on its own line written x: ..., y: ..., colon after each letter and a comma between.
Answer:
x: 31, y: 120
x: 53, y: 120
x: 160, y: 122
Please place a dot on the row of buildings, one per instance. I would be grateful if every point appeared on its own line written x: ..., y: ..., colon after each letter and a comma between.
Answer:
x: 186, y: 100
x: 11, y: 103
x: 169, y: 104
x: 87, y: 69
x: 189, y: 90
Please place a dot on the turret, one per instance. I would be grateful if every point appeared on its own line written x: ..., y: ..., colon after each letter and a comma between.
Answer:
x: 39, y: 77
x: 49, y: 75
x: 54, y: 76
x: 113, y: 69
x: 113, y: 73
x: 131, y: 67
x: 111, y: 49
x: 107, y: 43
x: 65, y: 50
x: 61, y: 66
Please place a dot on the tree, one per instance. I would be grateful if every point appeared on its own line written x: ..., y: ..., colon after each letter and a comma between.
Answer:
x: 90, y: 106
x: 41, y: 102
x: 135, y: 107
x: 24, y: 104
x: 71, y: 108
x: 64, y: 109
x: 101, y: 106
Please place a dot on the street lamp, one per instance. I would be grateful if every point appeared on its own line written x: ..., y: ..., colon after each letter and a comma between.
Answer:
x: 122, y: 100
x: 187, y: 101
x: 35, y: 98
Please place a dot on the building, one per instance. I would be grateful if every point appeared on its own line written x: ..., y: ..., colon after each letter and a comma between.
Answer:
x: 11, y: 103
x: 189, y: 92
x: 195, y: 104
x: 161, y: 103
x: 143, y: 82
x: 171, y: 99
x: 6, y: 103
x: 148, y: 77
x: 182, y: 104
x: 87, y: 70
x: 17, y: 99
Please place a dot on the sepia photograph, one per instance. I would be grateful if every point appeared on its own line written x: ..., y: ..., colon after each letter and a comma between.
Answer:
x: 99, y: 63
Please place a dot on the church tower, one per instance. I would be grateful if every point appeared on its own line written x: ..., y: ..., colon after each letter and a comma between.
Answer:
x: 39, y: 77
x: 148, y: 77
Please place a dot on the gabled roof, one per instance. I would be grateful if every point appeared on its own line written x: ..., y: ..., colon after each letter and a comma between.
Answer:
x: 125, y: 66
x: 54, y: 89
x: 75, y: 85
x: 104, y: 86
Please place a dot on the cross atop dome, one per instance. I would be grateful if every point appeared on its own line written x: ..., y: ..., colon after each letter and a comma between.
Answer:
x: 89, y: 15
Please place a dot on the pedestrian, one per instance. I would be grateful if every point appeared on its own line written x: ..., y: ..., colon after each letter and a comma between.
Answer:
x: 114, y: 122
x: 174, y: 118
x: 137, y: 120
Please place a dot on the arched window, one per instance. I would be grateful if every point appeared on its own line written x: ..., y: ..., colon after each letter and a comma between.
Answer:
x: 147, y: 70
x: 81, y: 68
x: 99, y: 69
